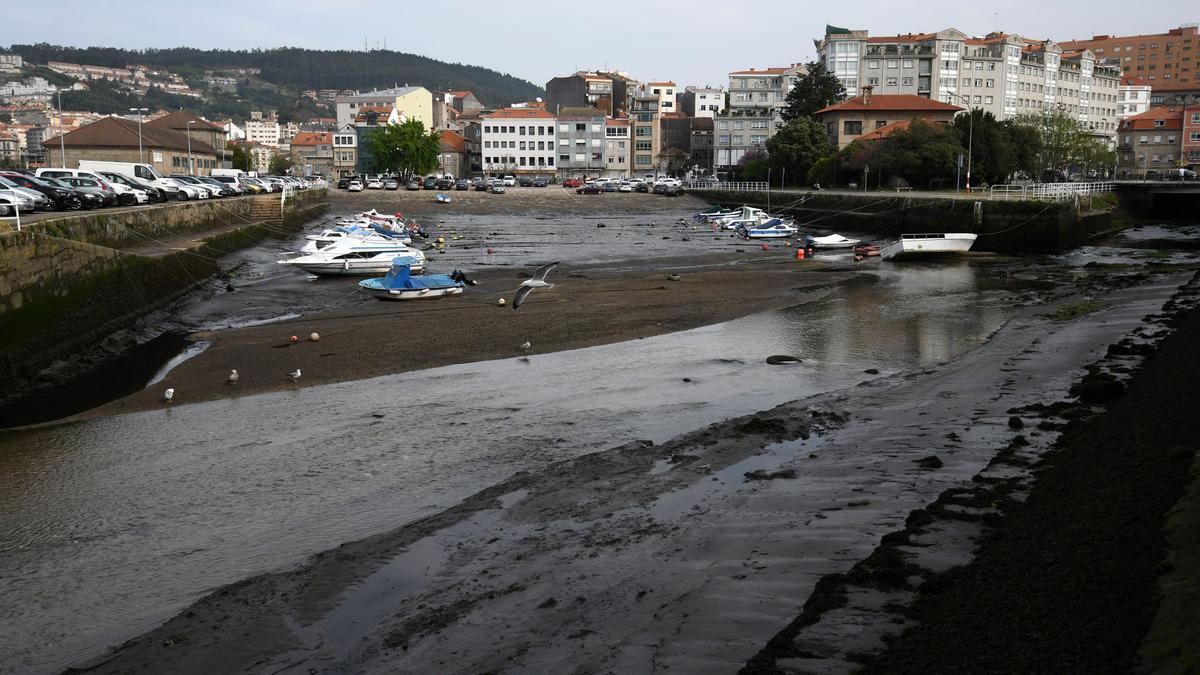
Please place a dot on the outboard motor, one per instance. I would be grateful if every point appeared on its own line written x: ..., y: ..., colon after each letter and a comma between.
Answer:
x: 457, y: 275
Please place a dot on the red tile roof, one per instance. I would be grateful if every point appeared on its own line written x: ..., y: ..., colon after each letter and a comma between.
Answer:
x: 897, y: 102
x: 885, y: 131
x: 313, y: 138
x: 1172, y: 118
x: 453, y: 141
x: 1131, y: 81
x: 519, y: 113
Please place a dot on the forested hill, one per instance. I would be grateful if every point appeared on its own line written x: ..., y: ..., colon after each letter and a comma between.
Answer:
x: 307, y: 68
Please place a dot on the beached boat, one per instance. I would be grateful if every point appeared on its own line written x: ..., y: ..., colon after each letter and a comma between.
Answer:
x: 714, y: 212
x: 399, y: 284
x: 363, y: 231
x: 747, y: 217
x: 358, y: 256
x: 866, y: 251
x: 832, y: 241
x: 932, y: 244
x: 774, y: 228
x: 442, y: 198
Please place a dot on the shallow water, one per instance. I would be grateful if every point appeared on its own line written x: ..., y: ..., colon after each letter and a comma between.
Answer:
x: 111, y: 526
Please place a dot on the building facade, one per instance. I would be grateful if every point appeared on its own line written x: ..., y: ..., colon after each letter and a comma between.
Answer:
x: 519, y: 140
x: 853, y: 118
x: 1133, y: 97
x: 752, y: 114
x: 452, y: 154
x: 345, y: 152
x: 200, y: 130
x: 1191, y: 137
x: 644, y: 127
x: 1150, y: 145
x: 606, y: 91
x: 580, y: 141
x: 702, y: 101
x: 312, y: 154
x: 617, y: 147
x: 702, y: 144
x: 408, y: 102
x: 11, y: 63
x: 114, y: 139
x: 1168, y: 57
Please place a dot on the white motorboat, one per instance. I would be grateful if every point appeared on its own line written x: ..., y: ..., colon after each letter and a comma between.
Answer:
x: 833, y: 241
x: 940, y: 243
x: 317, y: 242
x: 747, y: 217
x: 358, y: 256
x: 774, y: 228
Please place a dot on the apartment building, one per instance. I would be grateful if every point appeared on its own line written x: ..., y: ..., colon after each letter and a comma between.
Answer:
x: 1003, y: 74
x: 1150, y: 144
x: 644, y: 112
x: 1175, y: 93
x: 607, y: 91
x: 1158, y: 57
x: 1191, y: 137
x: 408, y: 102
x: 1133, y: 96
x: 580, y: 141
x: 702, y: 142
x: 263, y: 131
x: 618, y: 147
x: 452, y: 153
x: 519, y: 140
x: 11, y: 63
x: 702, y: 101
x: 667, y: 97
x: 345, y: 151
x: 312, y: 153
x: 752, y: 115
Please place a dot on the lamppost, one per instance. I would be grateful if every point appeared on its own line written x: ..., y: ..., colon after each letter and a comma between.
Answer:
x: 141, y: 115
x: 62, y: 144
x: 970, y: 135
x: 191, y: 166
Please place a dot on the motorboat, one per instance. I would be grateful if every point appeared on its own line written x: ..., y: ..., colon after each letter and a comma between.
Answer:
x: 774, y: 228
x: 442, y: 198
x: 358, y: 256
x: 928, y: 244
x: 363, y: 231
x: 832, y: 241
x: 399, y: 284
x: 747, y: 216
x: 714, y: 212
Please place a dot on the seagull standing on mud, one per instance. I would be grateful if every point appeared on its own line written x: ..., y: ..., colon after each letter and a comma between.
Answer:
x: 538, y: 280
x: 168, y: 395
x: 295, y: 375
x: 525, y: 346
x: 233, y: 377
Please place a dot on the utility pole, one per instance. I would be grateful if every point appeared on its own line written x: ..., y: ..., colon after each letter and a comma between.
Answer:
x: 62, y: 144
x: 141, y: 116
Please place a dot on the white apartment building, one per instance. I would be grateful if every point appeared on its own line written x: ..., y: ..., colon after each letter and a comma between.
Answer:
x: 263, y: 131
x: 11, y: 63
x: 702, y: 101
x: 233, y: 132
x: 1003, y: 74
x: 756, y: 97
x: 1133, y: 97
x: 617, y: 147
x: 666, y: 93
x: 519, y: 140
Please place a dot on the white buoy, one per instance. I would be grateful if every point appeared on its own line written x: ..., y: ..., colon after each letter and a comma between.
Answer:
x: 168, y: 395
x: 500, y: 302
x: 314, y: 337
x: 233, y: 377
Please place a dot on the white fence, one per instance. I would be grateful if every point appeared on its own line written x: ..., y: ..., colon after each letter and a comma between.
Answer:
x: 1051, y: 191
x: 713, y: 185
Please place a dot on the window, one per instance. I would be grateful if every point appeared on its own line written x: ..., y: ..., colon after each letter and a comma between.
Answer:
x: 879, y: 124
x: 987, y: 100
x: 522, y: 132
x: 872, y: 80
x: 564, y: 158
x: 850, y: 128
x: 979, y: 65
x: 873, y: 65
x: 581, y: 128
x: 891, y: 81
x: 723, y: 125
x: 891, y: 63
x: 908, y: 63
x: 907, y: 81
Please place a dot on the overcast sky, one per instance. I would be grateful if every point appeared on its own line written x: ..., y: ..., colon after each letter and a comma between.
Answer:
x: 689, y: 42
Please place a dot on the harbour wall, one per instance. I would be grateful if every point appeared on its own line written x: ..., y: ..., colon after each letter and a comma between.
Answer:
x: 66, y: 283
x: 1002, y: 226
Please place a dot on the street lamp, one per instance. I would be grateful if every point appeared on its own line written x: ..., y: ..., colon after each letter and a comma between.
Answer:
x: 141, y: 115
x: 191, y: 166
x: 970, y: 135
x: 62, y: 144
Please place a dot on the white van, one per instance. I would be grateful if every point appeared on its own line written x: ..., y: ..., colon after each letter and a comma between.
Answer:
x: 231, y: 173
x: 142, y: 172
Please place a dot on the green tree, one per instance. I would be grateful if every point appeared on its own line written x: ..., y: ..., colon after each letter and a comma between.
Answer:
x: 279, y: 164
x: 989, y: 145
x: 1064, y: 145
x: 406, y: 149
x: 797, y: 146
x: 823, y: 172
x: 816, y: 89
x: 925, y: 154
x: 240, y: 158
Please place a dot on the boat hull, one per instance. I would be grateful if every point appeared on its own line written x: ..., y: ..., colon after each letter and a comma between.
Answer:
x: 349, y: 267
x: 412, y: 293
x: 928, y: 245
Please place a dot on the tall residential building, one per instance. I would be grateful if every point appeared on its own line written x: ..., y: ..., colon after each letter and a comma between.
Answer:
x: 1191, y: 137
x: 519, y: 140
x: 345, y: 151
x: 618, y: 147
x: 756, y: 98
x: 1003, y: 74
x: 1150, y: 144
x: 11, y: 63
x: 312, y: 153
x: 607, y: 91
x: 580, y: 141
x: 702, y: 101
x: 1158, y: 57
x: 644, y: 117
x: 263, y: 131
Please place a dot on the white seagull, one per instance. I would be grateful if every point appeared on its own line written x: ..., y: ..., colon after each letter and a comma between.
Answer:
x: 295, y: 374
x: 168, y: 395
x: 525, y: 346
x: 233, y: 377
x: 538, y: 280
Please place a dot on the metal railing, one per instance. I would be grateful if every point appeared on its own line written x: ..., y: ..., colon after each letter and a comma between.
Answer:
x: 1051, y: 191
x: 752, y: 186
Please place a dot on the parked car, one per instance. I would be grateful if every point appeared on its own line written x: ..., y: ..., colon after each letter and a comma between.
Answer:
x: 673, y: 190
x: 186, y: 191
x: 541, y: 181
x: 413, y: 184
x: 254, y: 186
x: 481, y: 185
x: 375, y: 184
x: 510, y: 181
x: 29, y: 200
x: 391, y: 184
x: 344, y: 182
x: 642, y: 187
x: 11, y: 200
x: 525, y: 181
x: 107, y: 195
x: 154, y: 194
x: 462, y: 184
x: 609, y: 185
x: 233, y: 182
x: 590, y: 189
x: 497, y: 187
x: 572, y: 183
x: 445, y: 183
x: 222, y: 189
x: 124, y: 194
x: 61, y: 198
x: 355, y: 186
x: 431, y: 183
x: 212, y: 190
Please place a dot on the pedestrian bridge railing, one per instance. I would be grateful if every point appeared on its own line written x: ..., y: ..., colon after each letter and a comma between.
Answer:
x: 1050, y: 191
x: 751, y: 186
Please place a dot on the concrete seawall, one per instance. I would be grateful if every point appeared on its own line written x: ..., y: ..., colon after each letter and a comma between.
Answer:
x: 1002, y: 226
x: 66, y: 283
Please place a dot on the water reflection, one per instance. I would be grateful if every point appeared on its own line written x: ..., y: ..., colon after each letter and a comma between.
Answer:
x: 110, y: 526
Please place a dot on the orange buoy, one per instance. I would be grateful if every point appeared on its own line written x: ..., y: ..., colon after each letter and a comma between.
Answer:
x: 295, y: 339
x: 765, y: 247
x: 799, y: 254
x: 489, y: 250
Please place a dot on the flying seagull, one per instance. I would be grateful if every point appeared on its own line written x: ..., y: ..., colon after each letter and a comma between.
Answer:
x: 233, y: 377
x: 168, y: 395
x: 538, y: 280
x: 295, y: 374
